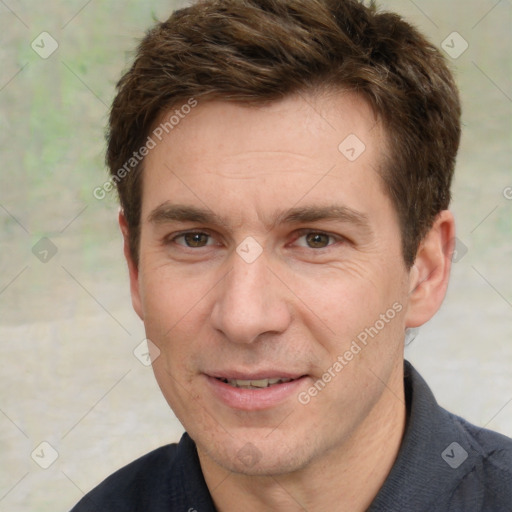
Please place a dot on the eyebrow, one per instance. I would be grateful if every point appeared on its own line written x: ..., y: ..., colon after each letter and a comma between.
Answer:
x: 167, y: 212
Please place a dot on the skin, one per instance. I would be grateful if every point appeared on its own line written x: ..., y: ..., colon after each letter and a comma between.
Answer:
x: 297, y: 307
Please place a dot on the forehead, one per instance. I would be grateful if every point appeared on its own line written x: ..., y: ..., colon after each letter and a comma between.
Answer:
x: 305, y: 148
x: 302, y: 118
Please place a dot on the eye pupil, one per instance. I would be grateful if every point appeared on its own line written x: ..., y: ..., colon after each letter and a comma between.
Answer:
x: 196, y: 239
x: 317, y: 240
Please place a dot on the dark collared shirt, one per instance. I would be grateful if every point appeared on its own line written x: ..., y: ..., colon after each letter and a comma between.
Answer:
x: 445, y: 464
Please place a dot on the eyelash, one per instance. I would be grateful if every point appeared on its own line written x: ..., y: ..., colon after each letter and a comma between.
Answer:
x: 300, y: 234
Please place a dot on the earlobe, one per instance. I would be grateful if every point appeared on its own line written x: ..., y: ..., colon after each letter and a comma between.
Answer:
x: 429, y: 276
x: 132, y: 267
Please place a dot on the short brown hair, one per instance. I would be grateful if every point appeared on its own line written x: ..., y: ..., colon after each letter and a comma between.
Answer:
x: 256, y: 51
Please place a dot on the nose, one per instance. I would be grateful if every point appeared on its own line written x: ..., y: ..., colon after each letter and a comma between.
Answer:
x: 251, y: 302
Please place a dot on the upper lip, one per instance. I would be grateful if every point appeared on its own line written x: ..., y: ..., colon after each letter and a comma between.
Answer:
x: 255, y: 375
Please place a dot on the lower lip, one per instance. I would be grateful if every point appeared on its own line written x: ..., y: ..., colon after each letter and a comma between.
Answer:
x: 254, y: 399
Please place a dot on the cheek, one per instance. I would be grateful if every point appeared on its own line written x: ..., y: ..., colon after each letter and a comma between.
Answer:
x: 357, y: 314
x: 176, y: 315
x: 345, y: 298
x: 168, y: 297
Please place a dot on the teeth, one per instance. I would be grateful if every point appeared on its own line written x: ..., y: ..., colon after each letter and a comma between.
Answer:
x: 255, y: 384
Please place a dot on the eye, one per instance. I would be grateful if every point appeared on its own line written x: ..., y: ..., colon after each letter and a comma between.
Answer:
x: 193, y: 239
x: 315, y: 240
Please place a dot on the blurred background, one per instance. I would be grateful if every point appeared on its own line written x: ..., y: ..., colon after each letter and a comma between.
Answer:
x: 77, y: 400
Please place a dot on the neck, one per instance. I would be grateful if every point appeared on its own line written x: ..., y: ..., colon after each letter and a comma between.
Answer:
x: 348, y: 477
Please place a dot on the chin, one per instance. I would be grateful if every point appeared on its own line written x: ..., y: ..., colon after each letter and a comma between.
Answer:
x: 254, y: 456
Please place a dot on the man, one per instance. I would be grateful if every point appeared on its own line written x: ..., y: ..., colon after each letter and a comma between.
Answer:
x: 284, y: 171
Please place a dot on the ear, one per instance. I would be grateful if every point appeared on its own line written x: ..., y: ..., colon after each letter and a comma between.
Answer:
x: 429, y: 276
x: 132, y: 267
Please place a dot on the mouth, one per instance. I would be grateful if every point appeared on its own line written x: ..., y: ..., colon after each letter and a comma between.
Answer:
x: 255, y: 392
x: 254, y: 383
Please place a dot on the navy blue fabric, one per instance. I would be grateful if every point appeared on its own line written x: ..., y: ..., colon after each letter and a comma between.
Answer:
x: 445, y: 464
x: 166, y: 479
x: 422, y: 479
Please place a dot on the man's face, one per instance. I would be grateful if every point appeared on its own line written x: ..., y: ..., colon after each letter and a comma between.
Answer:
x: 267, y: 252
